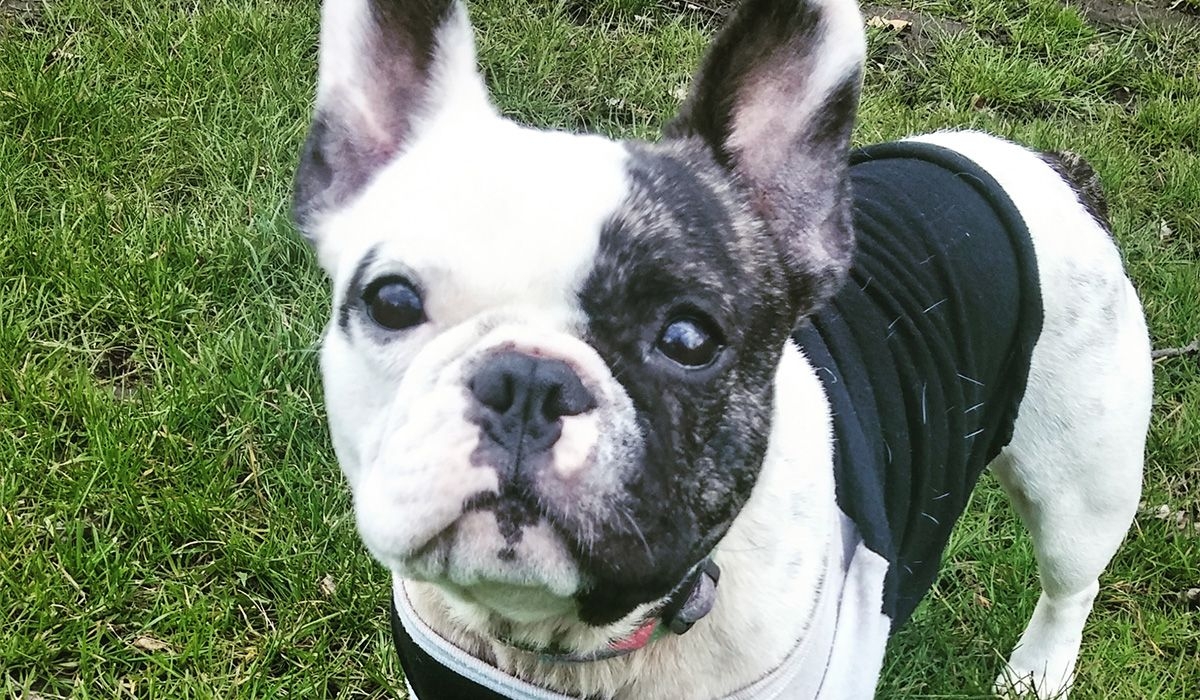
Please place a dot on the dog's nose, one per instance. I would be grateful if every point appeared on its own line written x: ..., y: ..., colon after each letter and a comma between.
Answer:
x: 524, y: 399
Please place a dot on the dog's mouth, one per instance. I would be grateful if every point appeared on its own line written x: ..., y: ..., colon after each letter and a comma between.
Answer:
x: 508, y: 557
x: 514, y: 511
x: 513, y: 604
x: 513, y: 562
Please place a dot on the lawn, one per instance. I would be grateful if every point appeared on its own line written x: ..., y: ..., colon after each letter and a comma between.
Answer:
x: 172, y: 522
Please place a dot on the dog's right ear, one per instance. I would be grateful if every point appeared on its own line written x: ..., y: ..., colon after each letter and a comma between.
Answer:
x: 775, y: 102
x: 386, y: 67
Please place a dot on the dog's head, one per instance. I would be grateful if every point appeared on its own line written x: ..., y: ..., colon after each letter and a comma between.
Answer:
x: 550, y: 362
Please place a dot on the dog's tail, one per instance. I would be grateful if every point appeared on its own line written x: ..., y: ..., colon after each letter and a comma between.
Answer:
x: 1082, y: 178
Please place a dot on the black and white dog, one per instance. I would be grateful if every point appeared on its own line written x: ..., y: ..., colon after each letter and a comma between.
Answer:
x: 693, y: 419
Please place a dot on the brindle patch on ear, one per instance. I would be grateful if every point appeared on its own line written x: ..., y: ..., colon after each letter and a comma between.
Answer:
x: 377, y: 60
x: 775, y: 100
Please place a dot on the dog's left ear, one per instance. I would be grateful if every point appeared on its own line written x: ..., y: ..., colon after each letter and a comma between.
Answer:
x: 387, y: 70
x: 775, y: 100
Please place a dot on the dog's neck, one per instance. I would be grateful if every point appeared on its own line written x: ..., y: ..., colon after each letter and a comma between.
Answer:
x: 773, y: 562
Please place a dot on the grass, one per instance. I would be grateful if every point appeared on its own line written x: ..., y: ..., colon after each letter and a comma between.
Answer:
x: 172, y: 523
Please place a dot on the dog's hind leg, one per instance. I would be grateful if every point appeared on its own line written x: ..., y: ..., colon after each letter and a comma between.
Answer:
x: 1073, y: 473
x: 1073, y: 468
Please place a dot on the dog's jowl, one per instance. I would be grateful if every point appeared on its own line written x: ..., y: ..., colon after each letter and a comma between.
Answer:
x: 694, y: 418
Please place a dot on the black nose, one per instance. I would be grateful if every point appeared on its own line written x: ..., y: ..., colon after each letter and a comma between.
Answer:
x: 525, y: 397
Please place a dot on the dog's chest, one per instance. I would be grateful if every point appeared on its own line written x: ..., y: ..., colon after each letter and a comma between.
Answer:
x: 924, y: 353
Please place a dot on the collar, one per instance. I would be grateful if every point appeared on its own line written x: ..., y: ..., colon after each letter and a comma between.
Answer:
x: 800, y: 675
x: 683, y: 607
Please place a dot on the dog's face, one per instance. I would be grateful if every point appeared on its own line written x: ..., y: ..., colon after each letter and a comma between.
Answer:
x: 550, y: 361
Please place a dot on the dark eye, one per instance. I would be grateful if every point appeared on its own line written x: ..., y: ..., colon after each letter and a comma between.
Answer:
x: 394, y: 304
x: 690, y: 342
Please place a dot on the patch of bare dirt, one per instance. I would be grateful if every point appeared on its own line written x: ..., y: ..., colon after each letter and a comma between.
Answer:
x: 917, y: 31
x: 117, y: 368
x: 22, y: 17
x: 21, y: 10
x: 1118, y: 14
x: 919, y: 27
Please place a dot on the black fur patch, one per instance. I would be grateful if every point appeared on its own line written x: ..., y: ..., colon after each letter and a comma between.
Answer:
x: 681, y: 240
x: 513, y: 510
x: 341, y: 153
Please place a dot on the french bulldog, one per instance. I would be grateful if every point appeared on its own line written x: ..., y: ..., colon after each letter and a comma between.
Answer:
x: 694, y: 418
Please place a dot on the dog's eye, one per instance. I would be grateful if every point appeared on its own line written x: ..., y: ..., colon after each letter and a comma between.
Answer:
x: 690, y: 342
x: 394, y: 304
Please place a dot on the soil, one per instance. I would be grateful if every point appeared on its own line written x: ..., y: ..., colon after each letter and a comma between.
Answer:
x: 1110, y: 14
x: 919, y: 35
x: 19, y: 9
x: 1124, y: 15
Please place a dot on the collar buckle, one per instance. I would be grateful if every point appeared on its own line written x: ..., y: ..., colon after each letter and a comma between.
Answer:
x: 693, y: 599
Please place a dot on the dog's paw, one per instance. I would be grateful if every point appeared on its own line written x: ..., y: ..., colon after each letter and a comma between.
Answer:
x: 1024, y: 684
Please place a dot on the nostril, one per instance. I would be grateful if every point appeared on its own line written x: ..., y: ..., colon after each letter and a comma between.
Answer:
x: 551, y: 405
x: 566, y: 396
x: 494, y: 389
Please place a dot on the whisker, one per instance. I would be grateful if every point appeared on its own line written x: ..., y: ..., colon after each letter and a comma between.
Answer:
x: 636, y: 530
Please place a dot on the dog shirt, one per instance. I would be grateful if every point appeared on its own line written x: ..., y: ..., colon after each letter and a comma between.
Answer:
x: 924, y: 355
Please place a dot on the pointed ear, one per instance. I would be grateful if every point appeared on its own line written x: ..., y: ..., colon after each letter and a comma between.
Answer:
x: 385, y: 68
x: 775, y: 100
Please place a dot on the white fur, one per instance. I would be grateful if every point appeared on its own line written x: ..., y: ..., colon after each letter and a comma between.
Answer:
x: 397, y: 408
x: 343, y: 72
x: 497, y: 224
x: 340, y: 71
x: 457, y: 104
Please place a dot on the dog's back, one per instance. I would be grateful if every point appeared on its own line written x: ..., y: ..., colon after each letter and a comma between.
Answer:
x: 1073, y: 468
